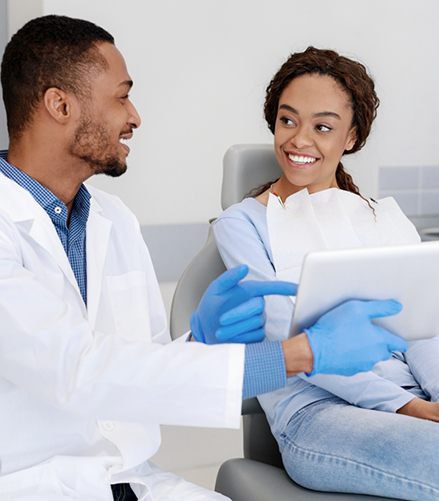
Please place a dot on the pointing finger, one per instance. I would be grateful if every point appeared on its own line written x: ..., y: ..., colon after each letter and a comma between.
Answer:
x: 256, y: 288
x: 229, y: 279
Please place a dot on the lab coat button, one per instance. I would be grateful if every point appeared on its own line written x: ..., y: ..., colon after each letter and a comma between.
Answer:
x: 108, y: 425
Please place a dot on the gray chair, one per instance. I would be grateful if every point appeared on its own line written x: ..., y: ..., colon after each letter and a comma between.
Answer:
x: 260, y: 475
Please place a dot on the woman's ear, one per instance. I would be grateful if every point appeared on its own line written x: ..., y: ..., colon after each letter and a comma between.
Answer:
x: 351, y: 140
x: 58, y: 104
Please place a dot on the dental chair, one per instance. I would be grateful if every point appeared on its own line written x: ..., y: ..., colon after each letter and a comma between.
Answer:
x: 260, y: 476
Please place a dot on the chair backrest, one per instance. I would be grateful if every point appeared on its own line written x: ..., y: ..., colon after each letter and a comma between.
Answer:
x: 245, y: 167
x: 201, y: 271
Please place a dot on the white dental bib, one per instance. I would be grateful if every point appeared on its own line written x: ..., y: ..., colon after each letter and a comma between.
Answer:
x: 328, y: 220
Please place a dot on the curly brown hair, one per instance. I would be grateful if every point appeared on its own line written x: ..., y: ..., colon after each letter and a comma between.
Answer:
x: 354, y: 80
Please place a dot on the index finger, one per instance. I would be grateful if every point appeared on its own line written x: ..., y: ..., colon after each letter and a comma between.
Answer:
x: 229, y: 279
x: 256, y: 288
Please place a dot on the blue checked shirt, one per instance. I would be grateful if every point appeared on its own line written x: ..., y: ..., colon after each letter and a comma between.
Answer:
x: 73, y: 236
x: 264, y: 368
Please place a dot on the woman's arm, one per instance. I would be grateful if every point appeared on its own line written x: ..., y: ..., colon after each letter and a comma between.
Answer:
x: 242, y: 238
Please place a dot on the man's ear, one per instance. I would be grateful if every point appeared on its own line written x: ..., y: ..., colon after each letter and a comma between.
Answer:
x: 59, y: 104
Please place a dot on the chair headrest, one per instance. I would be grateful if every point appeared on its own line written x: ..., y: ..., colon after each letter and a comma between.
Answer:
x: 245, y: 167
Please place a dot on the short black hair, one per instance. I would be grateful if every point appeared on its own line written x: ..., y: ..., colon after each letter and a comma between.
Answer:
x: 49, y: 51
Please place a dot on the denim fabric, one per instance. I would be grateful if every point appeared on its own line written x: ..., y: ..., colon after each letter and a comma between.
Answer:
x: 334, y: 446
x: 123, y: 492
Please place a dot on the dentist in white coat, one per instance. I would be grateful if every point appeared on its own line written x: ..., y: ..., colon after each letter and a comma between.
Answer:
x: 87, y: 373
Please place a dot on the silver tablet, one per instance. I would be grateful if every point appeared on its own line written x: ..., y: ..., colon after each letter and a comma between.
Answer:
x: 406, y: 273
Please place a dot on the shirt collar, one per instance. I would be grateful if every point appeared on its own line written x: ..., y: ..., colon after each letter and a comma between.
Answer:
x: 45, y: 198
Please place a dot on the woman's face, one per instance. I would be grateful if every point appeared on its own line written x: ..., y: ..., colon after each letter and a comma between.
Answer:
x: 313, y: 129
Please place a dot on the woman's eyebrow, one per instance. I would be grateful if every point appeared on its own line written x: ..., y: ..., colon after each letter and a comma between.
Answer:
x: 327, y: 114
x: 289, y: 108
x: 316, y: 115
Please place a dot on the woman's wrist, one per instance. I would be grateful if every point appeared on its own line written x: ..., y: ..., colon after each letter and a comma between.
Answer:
x: 421, y: 409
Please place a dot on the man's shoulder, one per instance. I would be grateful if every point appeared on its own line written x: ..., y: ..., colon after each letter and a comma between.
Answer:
x: 108, y: 202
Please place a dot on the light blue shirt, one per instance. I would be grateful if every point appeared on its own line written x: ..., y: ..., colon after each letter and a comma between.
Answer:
x: 241, y: 234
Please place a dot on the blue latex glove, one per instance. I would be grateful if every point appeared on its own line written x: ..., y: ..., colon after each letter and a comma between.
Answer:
x: 233, y: 312
x: 344, y: 341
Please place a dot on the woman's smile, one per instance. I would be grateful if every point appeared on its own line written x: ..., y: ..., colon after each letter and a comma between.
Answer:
x: 313, y: 130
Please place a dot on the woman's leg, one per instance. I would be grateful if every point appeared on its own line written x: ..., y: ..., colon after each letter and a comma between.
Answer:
x: 334, y: 446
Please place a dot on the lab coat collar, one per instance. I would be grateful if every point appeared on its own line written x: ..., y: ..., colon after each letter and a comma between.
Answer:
x: 98, y: 235
x: 24, y: 211
x: 28, y: 214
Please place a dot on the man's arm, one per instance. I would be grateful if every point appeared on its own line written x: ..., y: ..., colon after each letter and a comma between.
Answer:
x: 343, y: 341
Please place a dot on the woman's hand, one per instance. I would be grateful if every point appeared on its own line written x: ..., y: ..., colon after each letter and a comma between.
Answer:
x: 421, y: 409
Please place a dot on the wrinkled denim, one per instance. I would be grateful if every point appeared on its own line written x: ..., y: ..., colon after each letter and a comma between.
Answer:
x: 331, y: 445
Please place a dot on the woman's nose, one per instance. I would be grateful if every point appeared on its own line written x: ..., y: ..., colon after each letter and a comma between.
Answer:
x: 301, y: 138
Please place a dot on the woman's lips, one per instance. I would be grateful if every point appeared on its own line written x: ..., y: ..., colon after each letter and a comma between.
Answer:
x: 301, y: 161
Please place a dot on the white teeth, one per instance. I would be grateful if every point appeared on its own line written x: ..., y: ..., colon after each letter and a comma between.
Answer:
x: 299, y: 159
x: 123, y: 140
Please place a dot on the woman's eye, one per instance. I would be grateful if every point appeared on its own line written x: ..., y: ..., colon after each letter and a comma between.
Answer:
x: 287, y: 121
x: 323, y: 128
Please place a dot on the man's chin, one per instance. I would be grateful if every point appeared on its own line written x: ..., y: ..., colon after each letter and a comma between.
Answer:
x: 112, y: 169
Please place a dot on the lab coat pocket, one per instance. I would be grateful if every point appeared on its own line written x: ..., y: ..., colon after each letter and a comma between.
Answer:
x: 129, y: 303
x: 39, y: 483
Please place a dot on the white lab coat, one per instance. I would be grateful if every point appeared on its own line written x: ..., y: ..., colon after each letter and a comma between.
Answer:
x: 83, y: 391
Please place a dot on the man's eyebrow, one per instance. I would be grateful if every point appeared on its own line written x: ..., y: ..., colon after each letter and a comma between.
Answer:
x: 128, y: 83
x: 316, y: 115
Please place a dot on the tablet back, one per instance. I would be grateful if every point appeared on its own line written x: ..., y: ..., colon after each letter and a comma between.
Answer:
x: 406, y: 273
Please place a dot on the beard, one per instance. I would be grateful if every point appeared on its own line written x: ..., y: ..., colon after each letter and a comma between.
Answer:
x: 93, y: 145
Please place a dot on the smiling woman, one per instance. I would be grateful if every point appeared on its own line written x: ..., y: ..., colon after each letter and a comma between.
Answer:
x: 318, y: 99
x: 313, y: 130
x: 320, y: 106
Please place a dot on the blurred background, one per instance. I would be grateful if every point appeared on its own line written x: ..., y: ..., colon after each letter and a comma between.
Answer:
x: 200, y: 69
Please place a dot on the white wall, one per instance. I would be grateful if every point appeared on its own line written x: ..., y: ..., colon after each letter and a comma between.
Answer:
x: 201, y: 66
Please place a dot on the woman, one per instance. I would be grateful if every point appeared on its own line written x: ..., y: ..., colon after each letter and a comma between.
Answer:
x: 321, y: 106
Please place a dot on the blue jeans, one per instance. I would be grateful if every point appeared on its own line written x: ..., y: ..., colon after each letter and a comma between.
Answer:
x: 331, y: 445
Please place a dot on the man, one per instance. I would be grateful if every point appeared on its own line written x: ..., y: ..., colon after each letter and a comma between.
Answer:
x: 86, y: 371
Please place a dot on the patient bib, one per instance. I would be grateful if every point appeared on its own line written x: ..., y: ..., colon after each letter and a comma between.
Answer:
x: 328, y: 220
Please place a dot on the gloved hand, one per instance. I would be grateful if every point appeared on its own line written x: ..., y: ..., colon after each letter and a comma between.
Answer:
x: 233, y: 312
x: 344, y: 341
